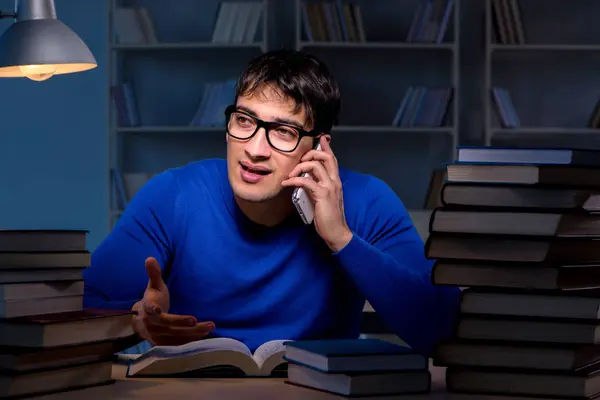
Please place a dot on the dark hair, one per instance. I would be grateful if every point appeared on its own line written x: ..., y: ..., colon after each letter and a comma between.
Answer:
x: 302, y: 77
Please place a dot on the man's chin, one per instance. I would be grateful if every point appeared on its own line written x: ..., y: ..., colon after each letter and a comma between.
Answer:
x: 254, y: 194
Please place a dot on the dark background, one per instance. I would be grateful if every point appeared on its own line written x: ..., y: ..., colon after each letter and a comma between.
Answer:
x: 58, y: 143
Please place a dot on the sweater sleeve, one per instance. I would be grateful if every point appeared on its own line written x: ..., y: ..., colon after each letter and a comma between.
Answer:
x: 386, y: 260
x: 116, y: 277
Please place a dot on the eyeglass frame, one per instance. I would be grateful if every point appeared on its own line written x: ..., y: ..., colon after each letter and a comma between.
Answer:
x: 267, y: 125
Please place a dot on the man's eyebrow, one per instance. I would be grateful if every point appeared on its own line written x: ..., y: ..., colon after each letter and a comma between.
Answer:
x: 277, y: 119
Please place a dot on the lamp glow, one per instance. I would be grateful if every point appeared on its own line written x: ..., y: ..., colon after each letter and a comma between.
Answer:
x: 38, y: 72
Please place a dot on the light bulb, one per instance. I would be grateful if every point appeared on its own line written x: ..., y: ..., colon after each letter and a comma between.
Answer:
x: 38, y: 72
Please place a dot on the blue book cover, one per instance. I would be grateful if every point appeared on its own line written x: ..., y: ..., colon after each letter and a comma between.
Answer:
x: 527, y: 155
x: 350, y: 347
x: 354, y: 355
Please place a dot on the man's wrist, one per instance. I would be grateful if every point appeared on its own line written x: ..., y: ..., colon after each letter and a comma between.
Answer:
x: 342, y: 241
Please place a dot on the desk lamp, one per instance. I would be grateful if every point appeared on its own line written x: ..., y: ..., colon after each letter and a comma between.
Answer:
x: 39, y: 46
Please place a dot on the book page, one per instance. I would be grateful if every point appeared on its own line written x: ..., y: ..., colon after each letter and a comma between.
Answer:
x: 199, y: 346
x: 195, y: 356
x: 271, y: 352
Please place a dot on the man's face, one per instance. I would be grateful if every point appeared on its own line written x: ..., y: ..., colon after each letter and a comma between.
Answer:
x: 266, y: 104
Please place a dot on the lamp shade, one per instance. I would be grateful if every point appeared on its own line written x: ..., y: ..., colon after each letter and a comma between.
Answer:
x: 39, y: 46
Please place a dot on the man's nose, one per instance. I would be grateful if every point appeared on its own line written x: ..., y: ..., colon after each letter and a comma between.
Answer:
x: 258, y: 146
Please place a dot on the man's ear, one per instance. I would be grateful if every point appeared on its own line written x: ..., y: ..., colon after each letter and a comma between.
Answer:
x: 327, y: 137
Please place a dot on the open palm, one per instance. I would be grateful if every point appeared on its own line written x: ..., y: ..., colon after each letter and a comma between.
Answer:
x: 153, y: 321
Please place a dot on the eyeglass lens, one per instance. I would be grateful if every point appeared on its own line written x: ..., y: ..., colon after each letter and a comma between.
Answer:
x: 242, y: 126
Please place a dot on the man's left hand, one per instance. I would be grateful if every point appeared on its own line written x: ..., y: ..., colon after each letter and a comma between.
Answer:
x: 325, y: 191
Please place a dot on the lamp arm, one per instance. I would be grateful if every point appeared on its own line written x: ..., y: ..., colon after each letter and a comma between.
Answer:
x: 4, y: 14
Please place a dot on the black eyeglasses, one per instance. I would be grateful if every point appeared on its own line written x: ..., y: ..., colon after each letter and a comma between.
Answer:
x: 282, y: 137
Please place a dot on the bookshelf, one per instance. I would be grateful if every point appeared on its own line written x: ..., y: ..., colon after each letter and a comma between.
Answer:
x: 550, y: 75
x: 161, y: 60
x: 378, y: 54
x: 174, y: 56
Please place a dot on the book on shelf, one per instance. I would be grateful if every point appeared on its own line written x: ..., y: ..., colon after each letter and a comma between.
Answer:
x: 216, y: 96
x: 594, y: 121
x: 134, y: 25
x: 332, y: 21
x: 507, y: 22
x: 237, y: 22
x: 424, y: 107
x: 528, y: 321
x: 430, y: 22
x: 119, y: 198
x: 507, y: 117
x: 134, y: 181
x: 125, y: 103
x: 218, y: 356
x: 506, y: 113
x: 125, y: 185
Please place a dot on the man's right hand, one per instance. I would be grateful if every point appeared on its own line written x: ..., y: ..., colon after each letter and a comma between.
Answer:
x: 155, y: 324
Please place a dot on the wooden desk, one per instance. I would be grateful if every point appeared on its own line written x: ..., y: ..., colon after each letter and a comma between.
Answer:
x: 221, y: 389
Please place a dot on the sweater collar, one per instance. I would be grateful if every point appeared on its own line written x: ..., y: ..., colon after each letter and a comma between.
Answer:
x: 240, y: 219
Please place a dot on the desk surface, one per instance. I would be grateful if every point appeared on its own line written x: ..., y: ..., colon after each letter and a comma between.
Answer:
x: 221, y: 389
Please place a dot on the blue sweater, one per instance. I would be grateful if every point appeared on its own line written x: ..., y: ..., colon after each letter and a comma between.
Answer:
x: 259, y: 283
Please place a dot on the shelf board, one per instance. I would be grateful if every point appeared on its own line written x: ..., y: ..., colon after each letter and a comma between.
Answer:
x: 546, y: 131
x: 341, y: 128
x: 184, y: 46
x: 544, y: 47
x: 392, y: 129
x: 377, y: 45
x: 169, y: 129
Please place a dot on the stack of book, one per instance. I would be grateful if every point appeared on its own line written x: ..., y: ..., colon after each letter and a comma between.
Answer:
x: 518, y: 231
x: 357, y: 367
x: 48, y: 341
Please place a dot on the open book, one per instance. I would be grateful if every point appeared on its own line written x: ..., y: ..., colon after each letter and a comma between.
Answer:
x: 207, y: 354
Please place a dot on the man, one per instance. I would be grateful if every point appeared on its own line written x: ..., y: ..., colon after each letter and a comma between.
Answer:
x: 217, y: 246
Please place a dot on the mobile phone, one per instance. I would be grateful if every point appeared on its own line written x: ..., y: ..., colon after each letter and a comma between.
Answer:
x: 302, y: 202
